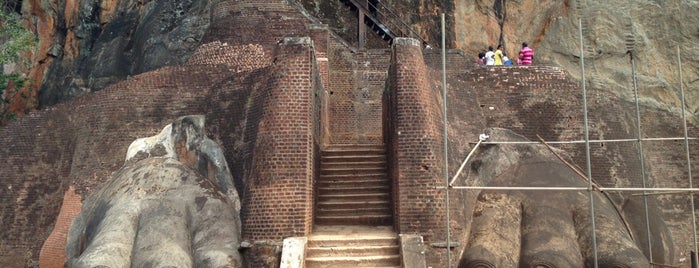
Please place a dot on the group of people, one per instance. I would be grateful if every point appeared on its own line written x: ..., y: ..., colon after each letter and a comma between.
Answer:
x: 498, y: 57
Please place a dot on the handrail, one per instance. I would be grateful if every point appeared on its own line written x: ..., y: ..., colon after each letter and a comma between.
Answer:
x: 390, y: 18
x: 396, y: 17
x: 368, y: 14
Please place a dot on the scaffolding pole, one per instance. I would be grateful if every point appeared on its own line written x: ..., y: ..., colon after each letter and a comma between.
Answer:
x: 587, y: 144
x: 446, y: 155
x: 689, y: 161
x: 640, y: 157
x: 590, y: 141
x: 571, y: 188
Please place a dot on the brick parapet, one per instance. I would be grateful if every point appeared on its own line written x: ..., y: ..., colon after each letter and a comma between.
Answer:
x: 242, y: 57
x: 261, y: 22
x: 544, y: 101
x: 280, y: 186
x: 416, y: 146
x: 456, y: 60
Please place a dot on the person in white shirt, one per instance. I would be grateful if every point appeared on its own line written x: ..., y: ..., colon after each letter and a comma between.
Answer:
x: 490, y: 56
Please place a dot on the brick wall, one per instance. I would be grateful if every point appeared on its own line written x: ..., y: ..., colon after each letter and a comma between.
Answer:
x: 53, y: 252
x: 357, y: 81
x: 279, y: 189
x: 82, y: 142
x: 244, y: 57
x: 416, y: 146
x: 261, y: 22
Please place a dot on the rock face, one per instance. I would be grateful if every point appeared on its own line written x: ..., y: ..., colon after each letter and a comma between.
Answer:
x: 175, y: 194
x: 612, y: 32
x: 87, y: 45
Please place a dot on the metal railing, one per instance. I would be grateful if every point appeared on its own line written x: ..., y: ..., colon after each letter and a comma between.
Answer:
x: 385, y: 20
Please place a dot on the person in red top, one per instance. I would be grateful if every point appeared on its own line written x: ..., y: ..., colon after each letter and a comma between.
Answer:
x: 526, y: 55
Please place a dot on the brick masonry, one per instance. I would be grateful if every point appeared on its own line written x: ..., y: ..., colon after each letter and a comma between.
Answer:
x: 415, y: 140
x: 279, y: 188
x: 82, y: 142
x: 53, y: 252
x: 357, y: 80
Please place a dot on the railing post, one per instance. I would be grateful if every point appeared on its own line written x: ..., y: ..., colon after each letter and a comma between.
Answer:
x: 361, y: 32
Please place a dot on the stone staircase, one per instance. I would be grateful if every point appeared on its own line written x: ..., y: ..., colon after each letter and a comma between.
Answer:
x: 353, y: 187
x: 353, y: 216
x: 353, y: 246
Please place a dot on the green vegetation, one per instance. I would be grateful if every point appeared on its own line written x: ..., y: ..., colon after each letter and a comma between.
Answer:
x: 15, y: 39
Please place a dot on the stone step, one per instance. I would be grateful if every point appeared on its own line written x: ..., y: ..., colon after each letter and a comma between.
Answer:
x: 354, y: 203
x: 351, y: 240
x: 355, y: 164
x: 362, y: 261
x: 350, y: 181
x: 353, y: 177
x: 353, y: 186
x: 367, y: 197
x: 364, y: 219
x: 355, y: 146
x: 353, y: 246
x: 352, y: 170
x: 361, y: 151
x: 355, y: 211
x: 336, y: 188
x: 354, y: 158
x: 352, y: 251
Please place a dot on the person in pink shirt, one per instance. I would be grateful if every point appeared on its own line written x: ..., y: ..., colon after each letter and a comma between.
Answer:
x: 526, y: 55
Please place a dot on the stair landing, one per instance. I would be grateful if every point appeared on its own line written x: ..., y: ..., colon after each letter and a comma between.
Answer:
x: 353, y: 246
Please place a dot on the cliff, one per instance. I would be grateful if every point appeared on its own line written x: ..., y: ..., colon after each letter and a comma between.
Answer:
x: 86, y: 45
x: 649, y: 30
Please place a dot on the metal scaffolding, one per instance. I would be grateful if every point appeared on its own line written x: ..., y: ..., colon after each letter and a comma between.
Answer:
x: 644, y: 191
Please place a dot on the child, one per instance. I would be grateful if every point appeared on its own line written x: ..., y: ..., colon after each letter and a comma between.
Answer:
x: 481, y: 58
x: 505, y: 60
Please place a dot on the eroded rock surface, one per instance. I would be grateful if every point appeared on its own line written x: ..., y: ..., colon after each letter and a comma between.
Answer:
x: 173, y: 204
x: 519, y: 228
x: 88, y: 45
x: 652, y: 30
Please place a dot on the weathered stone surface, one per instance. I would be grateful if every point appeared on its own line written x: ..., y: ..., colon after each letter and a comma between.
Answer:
x: 412, y: 251
x: 651, y: 29
x: 172, y: 204
x: 513, y: 228
x: 293, y: 252
x: 87, y: 45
